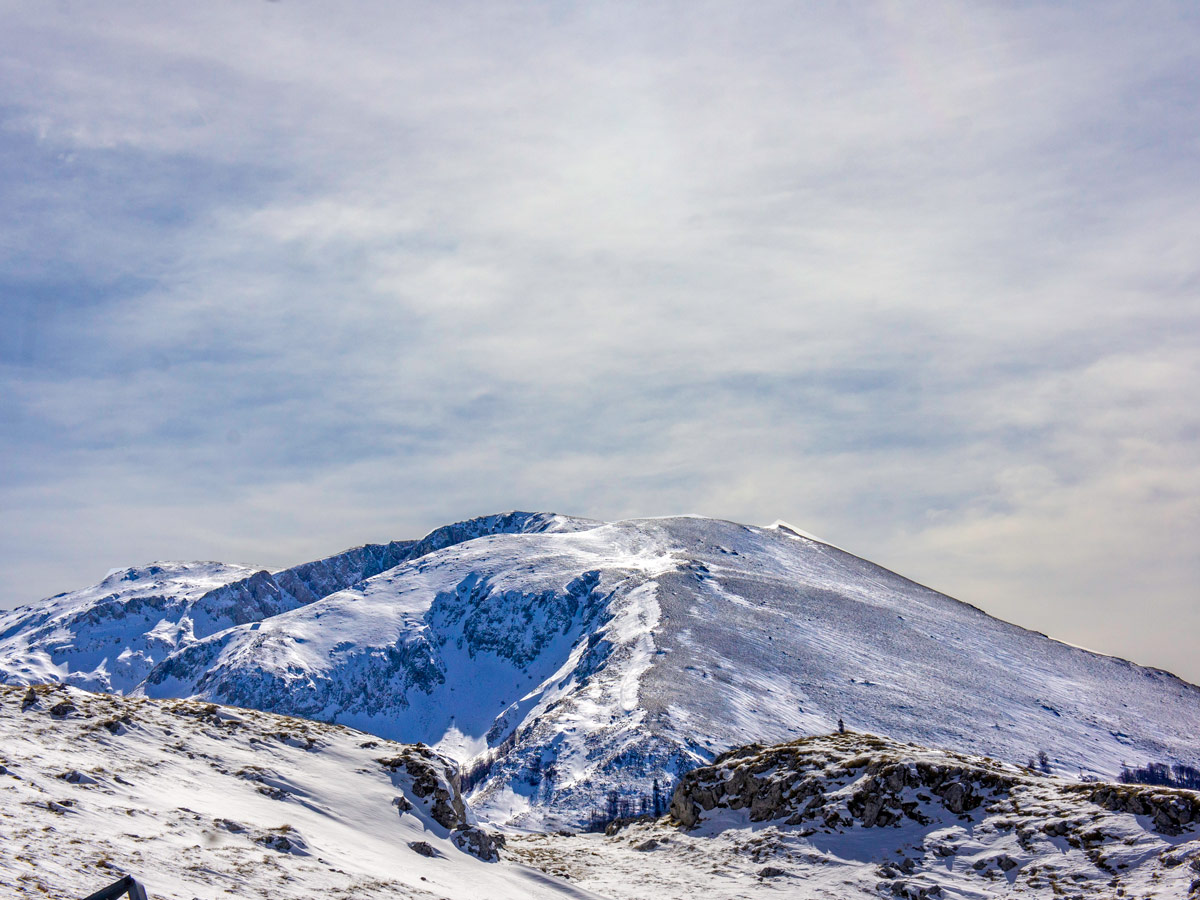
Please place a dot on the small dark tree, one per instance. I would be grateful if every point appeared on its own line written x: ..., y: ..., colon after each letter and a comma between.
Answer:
x: 1160, y: 774
x: 658, y: 802
x: 1187, y: 777
x: 613, y: 801
x: 1043, y: 761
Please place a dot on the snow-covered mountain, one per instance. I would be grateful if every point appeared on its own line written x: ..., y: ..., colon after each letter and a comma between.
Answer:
x: 560, y: 659
x: 108, y: 636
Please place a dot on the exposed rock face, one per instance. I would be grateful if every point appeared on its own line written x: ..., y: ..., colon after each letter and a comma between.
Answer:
x: 794, y: 780
x: 484, y: 844
x: 124, y: 628
x: 435, y: 782
x: 841, y: 780
x: 1170, y: 810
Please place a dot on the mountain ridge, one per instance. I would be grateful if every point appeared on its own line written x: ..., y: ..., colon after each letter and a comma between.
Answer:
x: 218, y: 595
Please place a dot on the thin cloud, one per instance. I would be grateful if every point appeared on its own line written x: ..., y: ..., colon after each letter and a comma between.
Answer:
x: 279, y: 280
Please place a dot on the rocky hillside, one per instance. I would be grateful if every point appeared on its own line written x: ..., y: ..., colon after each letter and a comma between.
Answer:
x: 200, y: 800
x: 853, y: 815
x: 197, y: 800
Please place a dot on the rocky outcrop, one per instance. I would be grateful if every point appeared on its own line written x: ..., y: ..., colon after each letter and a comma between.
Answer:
x: 844, y: 780
x: 434, y: 782
x: 485, y: 845
x: 875, y: 783
x: 1170, y: 810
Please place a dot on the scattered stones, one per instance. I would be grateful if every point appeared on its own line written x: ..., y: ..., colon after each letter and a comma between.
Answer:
x: 1169, y: 809
x: 76, y: 777
x: 1057, y: 828
x: 904, y: 866
x: 118, y: 724
x: 910, y: 890
x: 485, y: 845
x: 423, y: 848
x: 263, y: 779
x: 302, y: 741
x: 63, y: 709
x: 284, y: 839
x: 1002, y: 861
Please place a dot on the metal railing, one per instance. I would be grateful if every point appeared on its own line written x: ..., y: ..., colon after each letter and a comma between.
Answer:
x: 127, y: 885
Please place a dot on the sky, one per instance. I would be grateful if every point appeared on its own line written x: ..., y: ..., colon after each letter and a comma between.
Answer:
x: 280, y: 278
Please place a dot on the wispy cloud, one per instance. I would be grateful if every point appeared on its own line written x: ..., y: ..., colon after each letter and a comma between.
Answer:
x: 278, y: 279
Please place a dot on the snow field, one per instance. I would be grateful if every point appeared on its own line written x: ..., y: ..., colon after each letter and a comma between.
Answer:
x: 202, y: 801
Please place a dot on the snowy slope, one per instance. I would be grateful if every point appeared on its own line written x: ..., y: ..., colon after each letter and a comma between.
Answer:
x: 107, y: 637
x: 559, y: 659
x: 201, y: 801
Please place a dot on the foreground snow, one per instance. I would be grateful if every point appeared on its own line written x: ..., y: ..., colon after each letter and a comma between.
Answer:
x: 202, y: 801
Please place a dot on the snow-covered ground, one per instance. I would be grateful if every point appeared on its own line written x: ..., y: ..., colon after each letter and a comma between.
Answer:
x: 560, y: 659
x: 201, y: 801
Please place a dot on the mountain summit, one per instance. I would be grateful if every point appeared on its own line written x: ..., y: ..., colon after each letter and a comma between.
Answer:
x: 569, y: 664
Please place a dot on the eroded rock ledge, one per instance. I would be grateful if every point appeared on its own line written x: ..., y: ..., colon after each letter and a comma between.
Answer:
x: 843, y: 779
